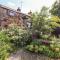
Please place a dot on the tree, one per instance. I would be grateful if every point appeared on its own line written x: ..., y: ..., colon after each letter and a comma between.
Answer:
x: 39, y: 21
x: 55, y: 14
x: 44, y: 11
x: 55, y: 9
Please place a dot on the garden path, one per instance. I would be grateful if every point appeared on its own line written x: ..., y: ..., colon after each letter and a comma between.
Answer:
x: 21, y: 55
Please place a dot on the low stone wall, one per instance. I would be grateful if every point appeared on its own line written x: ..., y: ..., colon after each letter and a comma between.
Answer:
x: 23, y: 55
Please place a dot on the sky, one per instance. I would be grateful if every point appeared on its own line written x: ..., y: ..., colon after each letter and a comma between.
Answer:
x: 27, y: 5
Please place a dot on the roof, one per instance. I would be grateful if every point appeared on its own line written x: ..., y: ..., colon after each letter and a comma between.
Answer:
x: 21, y: 14
x: 5, y: 7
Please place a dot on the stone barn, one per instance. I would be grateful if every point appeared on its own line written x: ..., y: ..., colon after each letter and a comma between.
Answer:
x: 8, y: 16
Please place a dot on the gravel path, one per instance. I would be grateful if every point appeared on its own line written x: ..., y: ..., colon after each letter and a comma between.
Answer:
x: 15, y: 56
x: 21, y: 55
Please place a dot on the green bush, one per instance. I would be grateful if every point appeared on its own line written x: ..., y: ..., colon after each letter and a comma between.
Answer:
x: 45, y: 37
x: 11, y: 39
x: 4, y: 45
x: 4, y: 48
x: 43, y: 49
x: 19, y: 37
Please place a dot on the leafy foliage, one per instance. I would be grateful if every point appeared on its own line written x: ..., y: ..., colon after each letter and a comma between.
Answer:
x: 11, y: 39
x: 55, y: 21
x: 15, y: 37
x: 40, y: 21
x: 52, y: 50
x: 4, y: 45
x: 55, y: 9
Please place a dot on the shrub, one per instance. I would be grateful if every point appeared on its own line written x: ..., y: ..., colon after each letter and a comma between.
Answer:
x: 46, y: 50
x: 11, y: 39
x: 45, y: 37
x: 5, y: 46
x: 18, y: 37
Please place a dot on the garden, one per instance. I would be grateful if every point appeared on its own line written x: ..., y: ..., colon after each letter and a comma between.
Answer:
x: 42, y: 38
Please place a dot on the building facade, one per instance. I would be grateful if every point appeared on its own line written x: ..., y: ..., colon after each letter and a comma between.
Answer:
x: 8, y: 16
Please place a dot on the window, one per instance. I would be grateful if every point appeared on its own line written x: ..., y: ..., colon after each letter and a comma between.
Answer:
x: 11, y: 13
x: 28, y: 24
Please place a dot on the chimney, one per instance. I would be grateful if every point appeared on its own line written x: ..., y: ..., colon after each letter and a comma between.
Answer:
x: 30, y: 13
x: 18, y: 10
